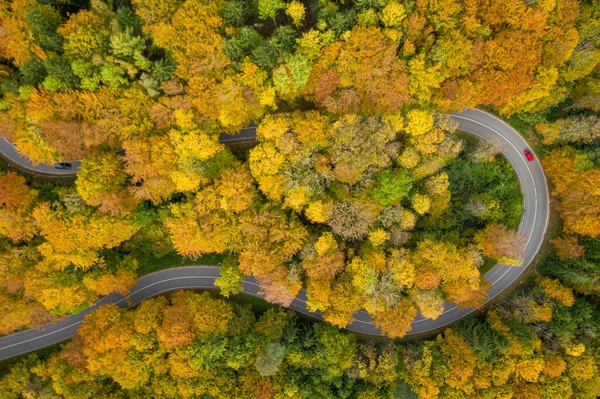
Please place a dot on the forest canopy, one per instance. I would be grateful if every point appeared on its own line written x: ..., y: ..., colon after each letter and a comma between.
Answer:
x: 536, y: 345
x: 359, y: 188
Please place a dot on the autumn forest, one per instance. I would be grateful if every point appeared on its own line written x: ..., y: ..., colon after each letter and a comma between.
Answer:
x: 351, y: 183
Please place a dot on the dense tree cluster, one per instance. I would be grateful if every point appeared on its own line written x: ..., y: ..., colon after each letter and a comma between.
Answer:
x: 111, y: 75
x: 570, y: 134
x: 538, y: 344
x: 59, y: 253
x: 368, y: 181
x: 576, y: 179
x: 359, y: 190
x: 352, y: 246
x: 575, y: 174
x: 356, y: 190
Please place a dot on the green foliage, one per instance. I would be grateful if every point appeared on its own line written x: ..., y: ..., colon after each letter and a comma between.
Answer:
x: 365, y: 4
x: 209, y: 353
x: 522, y: 331
x: 268, y: 9
x: 487, y: 343
x: 391, y: 187
x: 337, y: 350
x: 485, y: 207
x: 299, y: 67
x: 60, y: 75
x: 236, y: 13
x: 582, y: 162
x: 592, y: 248
x: 8, y: 86
x: 125, y: 44
x: 284, y: 39
x: 263, y: 53
x: 231, y: 280
x: 213, y: 166
x: 403, y: 391
x: 140, y: 62
x: 19, y: 377
x: 128, y: 19
x: 75, y: 4
x: 63, y: 311
x: 44, y: 21
x: 282, y: 80
x: 91, y: 83
x: 265, y: 56
x: 243, y: 44
x: 582, y: 273
x: 341, y: 21
x: 268, y: 361
x: 495, y: 180
x: 85, y: 39
x: 150, y: 84
x: 33, y: 71
x: 113, y: 76
x: 367, y: 17
x: 88, y: 73
x: 164, y: 69
x: 567, y: 324
x: 532, y: 119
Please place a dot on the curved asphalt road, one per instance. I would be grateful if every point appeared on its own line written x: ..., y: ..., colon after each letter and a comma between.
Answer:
x: 479, y: 123
x: 10, y: 153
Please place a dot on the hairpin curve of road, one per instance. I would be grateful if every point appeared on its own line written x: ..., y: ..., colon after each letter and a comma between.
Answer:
x: 534, y: 224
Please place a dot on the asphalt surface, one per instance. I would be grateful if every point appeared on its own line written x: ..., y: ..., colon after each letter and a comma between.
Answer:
x: 9, y: 152
x: 533, y: 224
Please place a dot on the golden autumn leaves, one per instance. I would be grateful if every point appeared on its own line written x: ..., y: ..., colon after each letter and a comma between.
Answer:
x: 325, y: 173
x: 363, y: 164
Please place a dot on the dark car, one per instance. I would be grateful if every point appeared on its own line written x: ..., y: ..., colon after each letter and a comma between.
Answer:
x: 528, y: 155
x: 63, y: 165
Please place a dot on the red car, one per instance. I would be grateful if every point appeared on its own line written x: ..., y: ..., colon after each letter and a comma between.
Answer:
x: 528, y: 155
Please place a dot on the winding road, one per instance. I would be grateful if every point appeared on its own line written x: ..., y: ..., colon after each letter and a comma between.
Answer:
x: 533, y: 224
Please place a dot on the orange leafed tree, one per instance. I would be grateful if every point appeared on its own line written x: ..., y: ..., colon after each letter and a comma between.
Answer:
x: 501, y: 244
x: 17, y: 313
x: 467, y: 295
x: 576, y: 190
x: 373, y: 90
x: 194, y: 235
x: 461, y: 361
x: 177, y: 328
x: 278, y: 287
x: 396, y: 321
x: 567, y: 247
x: 14, y: 193
x: 102, y: 181
x: 122, y: 281
x: 16, y: 200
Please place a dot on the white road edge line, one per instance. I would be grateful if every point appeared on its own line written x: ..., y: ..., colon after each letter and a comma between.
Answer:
x: 302, y: 301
